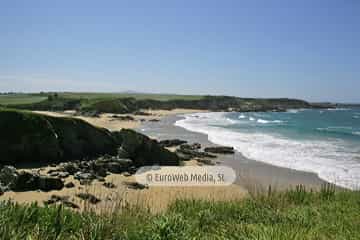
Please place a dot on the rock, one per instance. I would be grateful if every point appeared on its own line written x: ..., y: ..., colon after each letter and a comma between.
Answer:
x: 154, y: 120
x: 188, y: 154
x: 119, y: 165
x: 109, y: 185
x: 123, y: 118
x: 63, y: 174
x: 85, y: 181
x: 69, y: 185
x: 171, y: 142
x: 25, y: 181
x: 221, y: 150
x: 84, y: 176
x: 126, y: 174
x: 205, y: 161
x: 136, y: 185
x: 71, y: 168
x: 100, y: 179
x: 141, y: 113
x: 31, y: 137
x: 194, y: 146
x: 50, y: 183
x: 62, y: 199
x: 88, y: 197
x: 143, y: 150
x: 70, y: 204
x: 8, y: 174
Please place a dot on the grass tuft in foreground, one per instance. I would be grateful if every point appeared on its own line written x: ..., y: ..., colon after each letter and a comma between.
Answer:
x: 293, y: 214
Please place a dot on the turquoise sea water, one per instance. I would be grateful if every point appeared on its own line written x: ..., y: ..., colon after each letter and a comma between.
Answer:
x: 325, y: 142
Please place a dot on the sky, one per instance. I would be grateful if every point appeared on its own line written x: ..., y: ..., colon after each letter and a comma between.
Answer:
x: 299, y: 49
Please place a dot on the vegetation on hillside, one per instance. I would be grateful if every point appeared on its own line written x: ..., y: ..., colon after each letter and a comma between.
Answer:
x: 294, y: 214
x: 112, y: 104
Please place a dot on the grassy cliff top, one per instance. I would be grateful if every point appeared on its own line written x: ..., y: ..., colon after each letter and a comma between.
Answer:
x: 295, y: 214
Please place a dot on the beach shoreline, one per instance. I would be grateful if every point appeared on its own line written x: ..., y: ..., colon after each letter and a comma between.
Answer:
x: 153, y: 198
x: 251, y: 173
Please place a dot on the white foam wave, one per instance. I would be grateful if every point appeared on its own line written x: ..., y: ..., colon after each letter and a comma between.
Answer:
x: 268, y: 121
x: 356, y: 133
x: 251, y: 119
x: 242, y: 116
x: 338, y: 109
x: 331, y: 161
x: 295, y: 110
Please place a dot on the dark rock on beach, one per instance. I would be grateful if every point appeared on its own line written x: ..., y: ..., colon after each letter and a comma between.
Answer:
x: 220, y: 150
x: 143, y: 150
x: 27, y: 181
x: 123, y: 118
x: 88, y: 197
x: 171, y: 142
x: 194, y: 146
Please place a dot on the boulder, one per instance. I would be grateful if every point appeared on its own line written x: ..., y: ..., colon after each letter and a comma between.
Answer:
x: 171, y: 142
x: 109, y: 185
x: 143, y: 150
x: 27, y: 181
x: 69, y: 185
x: 84, y: 176
x: 220, y: 150
x: 123, y: 118
x: 194, y: 146
x: 8, y: 175
x: 188, y: 154
x: 49, y: 183
x: 88, y: 197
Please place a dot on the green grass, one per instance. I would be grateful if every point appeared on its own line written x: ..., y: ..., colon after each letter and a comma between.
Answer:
x: 20, y: 99
x: 295, y: 214
x: 139, y: 96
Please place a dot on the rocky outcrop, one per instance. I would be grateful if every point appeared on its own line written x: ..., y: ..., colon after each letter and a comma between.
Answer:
x: 220, y: 150
x: 27, y: 181
x: 171, y: 142
x: 143, y: 150
x: 30, y: 137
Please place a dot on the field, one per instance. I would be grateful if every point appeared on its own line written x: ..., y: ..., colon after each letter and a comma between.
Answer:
x: 294, y: 214
x: 13, y: 99
x: 20, y: 99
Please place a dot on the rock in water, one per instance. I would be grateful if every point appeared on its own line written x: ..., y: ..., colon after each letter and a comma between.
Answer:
x: 221, y: 150
x: 143, y: 150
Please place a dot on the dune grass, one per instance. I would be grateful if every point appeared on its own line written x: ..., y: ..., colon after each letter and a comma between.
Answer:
x: 293, y: 214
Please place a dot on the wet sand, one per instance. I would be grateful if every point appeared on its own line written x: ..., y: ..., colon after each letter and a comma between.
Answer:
x: 251, y: 174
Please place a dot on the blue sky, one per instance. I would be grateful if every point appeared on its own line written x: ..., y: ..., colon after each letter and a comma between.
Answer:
x: 303, y: 49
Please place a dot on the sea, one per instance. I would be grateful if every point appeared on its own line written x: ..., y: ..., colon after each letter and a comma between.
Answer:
x: 325, y: 142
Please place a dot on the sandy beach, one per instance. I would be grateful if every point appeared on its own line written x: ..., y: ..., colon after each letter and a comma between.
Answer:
x: 154, y: 198
x: 110, y: 122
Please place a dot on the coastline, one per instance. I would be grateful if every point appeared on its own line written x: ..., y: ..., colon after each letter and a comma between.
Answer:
x: 155, y: 199
x: 251, y: 173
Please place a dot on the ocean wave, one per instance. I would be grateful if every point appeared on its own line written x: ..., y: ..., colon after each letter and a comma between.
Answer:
x: 339, y: 109
x: 268, y: 121
x: 356, y: 133
x: 242, y: 116
x: 251, y: 119
x: 295, y: 110
x: 331, y: 161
